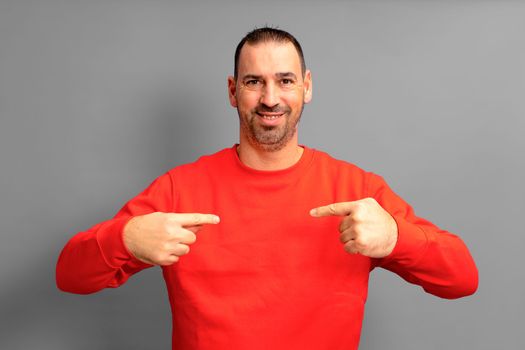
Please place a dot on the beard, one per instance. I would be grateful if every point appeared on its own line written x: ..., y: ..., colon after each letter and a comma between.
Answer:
x: 270, y: 138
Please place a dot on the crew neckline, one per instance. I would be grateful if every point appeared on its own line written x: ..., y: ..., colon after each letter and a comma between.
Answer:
x: 301, y: 164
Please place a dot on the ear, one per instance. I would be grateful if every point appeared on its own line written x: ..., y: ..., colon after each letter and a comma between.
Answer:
x: 307, y: 85
x: 232, y: 91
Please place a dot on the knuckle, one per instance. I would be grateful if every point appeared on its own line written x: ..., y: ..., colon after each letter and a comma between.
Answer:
x: 170, y: 260
x: 196, y: 218
x: 332, y: 208
x: 192, y: 238
x: 365, y: 203
x: 186, y: 237
x: 361, y: 242
x: 358, y: 215
x: 182, y: 249
x: 158, y: 258
x: 357, y: 229
x: 172, y: 220
x: 175, y: 232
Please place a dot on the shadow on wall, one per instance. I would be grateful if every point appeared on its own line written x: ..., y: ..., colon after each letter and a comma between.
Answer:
x: 36, y: 315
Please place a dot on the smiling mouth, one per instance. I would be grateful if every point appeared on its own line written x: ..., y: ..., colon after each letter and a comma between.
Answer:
x: 270, y: 116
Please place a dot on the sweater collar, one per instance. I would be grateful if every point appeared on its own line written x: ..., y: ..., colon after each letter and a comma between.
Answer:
x: 299, y: 167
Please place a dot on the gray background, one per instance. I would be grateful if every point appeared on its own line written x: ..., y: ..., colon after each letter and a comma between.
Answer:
x: 97, y: 98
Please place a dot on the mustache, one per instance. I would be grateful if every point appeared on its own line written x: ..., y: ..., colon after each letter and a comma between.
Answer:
x: 275, y: 109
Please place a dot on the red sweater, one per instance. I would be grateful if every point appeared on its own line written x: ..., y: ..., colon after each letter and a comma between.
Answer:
x: 269, y: 276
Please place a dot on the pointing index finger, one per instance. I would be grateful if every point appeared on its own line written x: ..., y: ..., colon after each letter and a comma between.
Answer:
x: 334, y: 209
x: 196, y: 219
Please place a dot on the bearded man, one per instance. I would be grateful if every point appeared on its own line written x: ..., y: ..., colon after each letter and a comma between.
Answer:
x: 283, y: 237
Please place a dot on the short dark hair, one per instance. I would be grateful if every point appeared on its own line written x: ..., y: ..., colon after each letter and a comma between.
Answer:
x: 266, y: 34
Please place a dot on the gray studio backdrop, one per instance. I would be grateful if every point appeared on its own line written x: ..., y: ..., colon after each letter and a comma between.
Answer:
x: 97, y: 98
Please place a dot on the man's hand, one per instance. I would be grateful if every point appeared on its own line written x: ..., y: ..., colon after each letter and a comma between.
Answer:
x: 162, y: 238
x: 366, y: 228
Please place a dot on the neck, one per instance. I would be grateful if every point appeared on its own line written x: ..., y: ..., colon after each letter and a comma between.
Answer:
x: 260, y: 159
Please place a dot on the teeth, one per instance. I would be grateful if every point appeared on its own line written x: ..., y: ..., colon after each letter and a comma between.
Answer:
x: 270, y: 117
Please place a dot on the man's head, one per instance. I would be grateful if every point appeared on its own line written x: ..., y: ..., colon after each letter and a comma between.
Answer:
x: 269, y: 88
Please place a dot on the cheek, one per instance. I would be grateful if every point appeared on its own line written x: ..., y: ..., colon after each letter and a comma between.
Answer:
x: 247, y: 101
x: 294, y: 102
x: 294, y: 98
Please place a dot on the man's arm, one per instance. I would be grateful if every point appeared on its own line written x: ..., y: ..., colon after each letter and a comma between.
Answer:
x: 98, y: 258
x: 435, y: 259
x: 384, y: 228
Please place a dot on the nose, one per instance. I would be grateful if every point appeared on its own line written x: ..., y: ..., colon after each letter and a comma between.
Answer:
x: 270, y: 95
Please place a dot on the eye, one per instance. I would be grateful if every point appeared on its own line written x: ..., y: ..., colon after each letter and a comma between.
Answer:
x: 252, y: 82
x: 287, y: 83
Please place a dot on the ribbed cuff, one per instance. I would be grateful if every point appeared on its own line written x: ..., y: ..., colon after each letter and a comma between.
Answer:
x: 411, y: 243
x: 111, y: 243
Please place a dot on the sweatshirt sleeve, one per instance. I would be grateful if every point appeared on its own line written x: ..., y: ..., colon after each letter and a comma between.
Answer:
x: 97, y: 258
x: 426, y: 255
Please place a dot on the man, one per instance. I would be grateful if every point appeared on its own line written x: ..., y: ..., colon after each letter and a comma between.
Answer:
x: 282, y: 237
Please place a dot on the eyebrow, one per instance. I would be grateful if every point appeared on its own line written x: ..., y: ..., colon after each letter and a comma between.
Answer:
x: 278, y: 75
x: 286, y: 75
x: 251, y: 76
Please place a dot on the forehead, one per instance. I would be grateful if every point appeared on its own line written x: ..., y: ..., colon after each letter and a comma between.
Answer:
x: 269, y: 58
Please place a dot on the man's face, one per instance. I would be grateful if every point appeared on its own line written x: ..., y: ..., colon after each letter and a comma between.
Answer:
x: 269, y: 94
